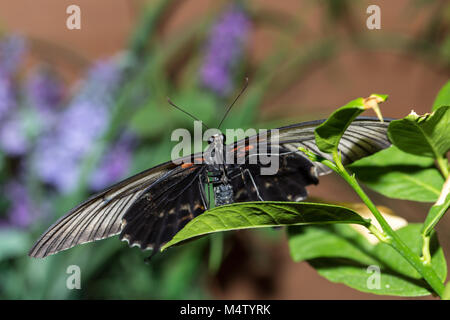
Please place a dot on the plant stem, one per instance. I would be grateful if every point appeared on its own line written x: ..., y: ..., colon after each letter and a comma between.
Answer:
x: 426, y: 256
x: 443, y: 166
x: 377, y: 233
x: 435, y: 214
x: 391, y: 236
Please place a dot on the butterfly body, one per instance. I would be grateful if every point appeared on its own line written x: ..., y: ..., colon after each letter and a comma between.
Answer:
x: 149, y: 208
x: 218, y: 171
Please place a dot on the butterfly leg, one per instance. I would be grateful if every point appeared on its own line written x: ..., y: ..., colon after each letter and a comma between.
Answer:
x: 243, y: 172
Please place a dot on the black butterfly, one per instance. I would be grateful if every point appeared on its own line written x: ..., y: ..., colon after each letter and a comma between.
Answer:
x: 148, y: 209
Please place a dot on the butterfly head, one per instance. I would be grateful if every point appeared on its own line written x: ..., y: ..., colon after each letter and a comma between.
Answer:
x: 218, y: 138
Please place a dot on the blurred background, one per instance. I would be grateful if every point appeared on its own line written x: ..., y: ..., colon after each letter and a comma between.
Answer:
x: 82, y: 109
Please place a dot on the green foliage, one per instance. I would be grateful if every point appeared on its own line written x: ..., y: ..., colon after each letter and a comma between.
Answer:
x: 329, y: 133
x: 397, y: 174
x: 264, y: 214
x: 307, y: 243
x: 426, y: 136
x: 423, y: 136
x: 434, y: 215
x: 342, y: 255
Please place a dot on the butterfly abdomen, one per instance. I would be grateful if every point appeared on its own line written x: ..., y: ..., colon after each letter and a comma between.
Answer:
x: 223, y: 194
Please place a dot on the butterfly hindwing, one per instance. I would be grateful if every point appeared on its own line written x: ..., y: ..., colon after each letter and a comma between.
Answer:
x: 363, y: 137
x: 288, y: 184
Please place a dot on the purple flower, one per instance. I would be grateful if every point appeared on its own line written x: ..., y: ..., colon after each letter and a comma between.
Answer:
x: 60, y: 152
x: 12, y: 50
x: 81, y: 124
x: 114, y: 165
x: 13, y: 140
x: 7, y: 96
x: 224, y: 47
x: 55, y: 165
x: 21, y: 212
x: 45, y: 92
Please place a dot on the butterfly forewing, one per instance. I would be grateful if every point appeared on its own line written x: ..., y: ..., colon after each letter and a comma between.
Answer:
x: 100, y: 216
x: 364, y: 136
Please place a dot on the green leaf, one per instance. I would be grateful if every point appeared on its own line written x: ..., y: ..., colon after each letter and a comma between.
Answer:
x: 329, y: 133
x: 443, y: 97
x: 342, y: 255
x: 264, y: 214
x: 400, y: 175
x: 13, y: 243
x: 359, y: 277
x: 339, y: 241
x: 411, y: 236
x: 426, y: 135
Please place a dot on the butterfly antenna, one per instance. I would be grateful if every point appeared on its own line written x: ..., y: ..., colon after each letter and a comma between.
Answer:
x: 190, y: 115
x: 236, y: 99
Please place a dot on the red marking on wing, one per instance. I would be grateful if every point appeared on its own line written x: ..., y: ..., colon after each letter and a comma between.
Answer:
x: 241, y: 148
x: 187, y: 165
